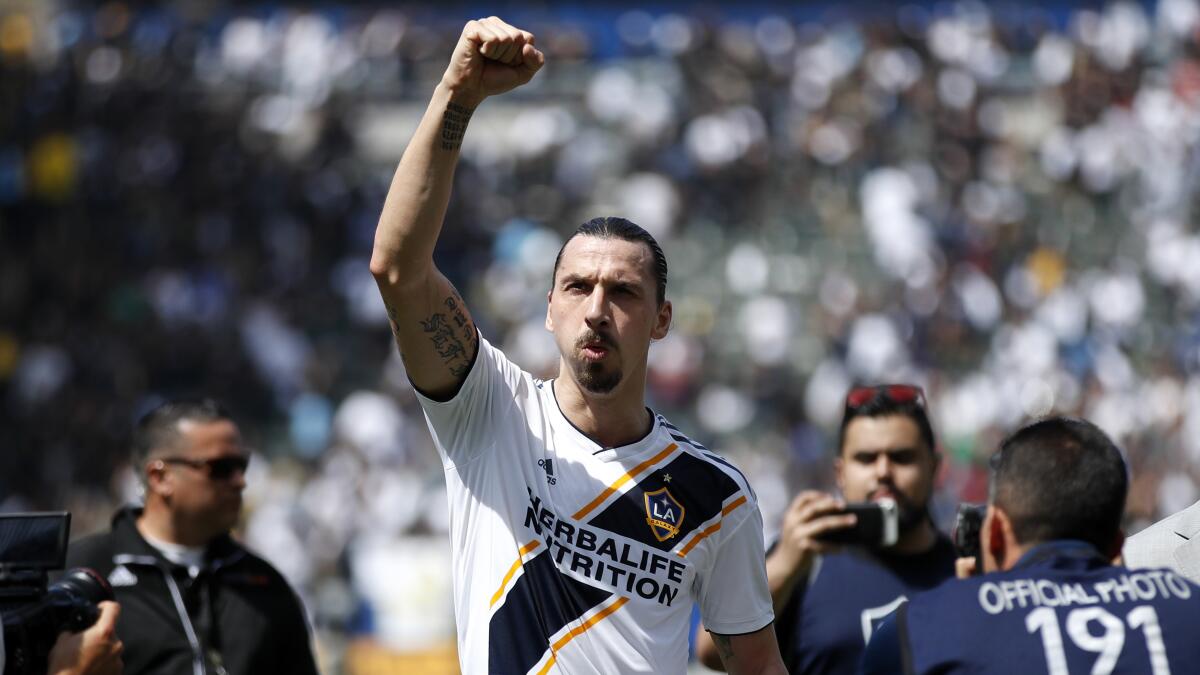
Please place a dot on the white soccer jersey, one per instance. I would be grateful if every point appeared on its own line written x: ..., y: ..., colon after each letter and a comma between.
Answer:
x: 573, y: 558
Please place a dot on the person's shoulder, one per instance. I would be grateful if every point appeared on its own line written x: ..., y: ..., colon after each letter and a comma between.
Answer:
x: 97, y: 550
x: 240, y: 559
x: 94, y: 550
x: 715, y: 467
x: 951, y: 592
x: 243, y: 567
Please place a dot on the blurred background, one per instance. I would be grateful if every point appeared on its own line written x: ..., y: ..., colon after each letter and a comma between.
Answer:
x: 997, y: 202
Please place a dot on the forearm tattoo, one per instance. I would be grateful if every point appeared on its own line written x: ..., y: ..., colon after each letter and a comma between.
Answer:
x: 451, y: 333
x: 454, y: 125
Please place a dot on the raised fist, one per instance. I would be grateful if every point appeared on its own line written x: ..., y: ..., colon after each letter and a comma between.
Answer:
x: 491, y: 57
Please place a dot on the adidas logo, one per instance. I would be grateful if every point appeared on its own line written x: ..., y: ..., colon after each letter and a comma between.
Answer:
x: 548, y: 465
x: 121, y: 576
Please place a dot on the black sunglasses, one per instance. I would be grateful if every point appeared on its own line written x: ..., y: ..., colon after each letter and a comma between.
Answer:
x: 220, y: 468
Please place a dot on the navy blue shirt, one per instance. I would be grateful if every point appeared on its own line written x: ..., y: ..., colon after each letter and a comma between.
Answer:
x: 1062, y: 609
x: 827, y: 622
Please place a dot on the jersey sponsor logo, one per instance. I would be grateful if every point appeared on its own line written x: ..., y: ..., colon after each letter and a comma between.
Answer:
x: 121, y: 576
x: 624, y: 566
x: 664, y: 514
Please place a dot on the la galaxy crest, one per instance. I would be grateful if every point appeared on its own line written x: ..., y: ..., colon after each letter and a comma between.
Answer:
x: 664, y: 513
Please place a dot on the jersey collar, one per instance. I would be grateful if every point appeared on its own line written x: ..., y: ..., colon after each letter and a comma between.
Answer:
x: 604, y: 453
x: 1062, y: 553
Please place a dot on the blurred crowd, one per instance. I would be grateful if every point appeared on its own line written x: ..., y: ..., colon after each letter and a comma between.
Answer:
x: 997, y: 203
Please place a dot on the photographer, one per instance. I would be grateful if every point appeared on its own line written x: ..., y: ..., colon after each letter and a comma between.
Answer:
x: 194, y: 600
x: 828, y: 598
x: 1051, y: 601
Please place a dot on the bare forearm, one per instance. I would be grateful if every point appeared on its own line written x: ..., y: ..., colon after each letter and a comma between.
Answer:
x: 750, y: 654
x: 420, y: 192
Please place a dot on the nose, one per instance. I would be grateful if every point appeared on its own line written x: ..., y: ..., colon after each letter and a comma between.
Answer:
x: 598, y: 309
x: 883, y: 466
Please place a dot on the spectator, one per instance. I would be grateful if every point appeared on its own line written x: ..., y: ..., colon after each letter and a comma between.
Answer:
x: 195, y: 601
x: 829, y: 598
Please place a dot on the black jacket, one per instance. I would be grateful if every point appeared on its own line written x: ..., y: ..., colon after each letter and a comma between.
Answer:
x: 238, y: 616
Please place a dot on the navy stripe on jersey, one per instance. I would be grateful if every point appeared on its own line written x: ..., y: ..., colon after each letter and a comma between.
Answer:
x: 721, y: 460
x: 678, y: 435
x: 662, y: 420
x: 697, y: 485
x: 541, y: 602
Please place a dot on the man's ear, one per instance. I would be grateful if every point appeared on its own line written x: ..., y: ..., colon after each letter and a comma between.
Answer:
x: 549, y: 321
x: 157, y: 479
x: 839, y: 472
x: 663, y: 325
x: 993, y: 544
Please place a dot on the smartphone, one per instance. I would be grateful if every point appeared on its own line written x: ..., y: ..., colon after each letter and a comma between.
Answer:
x: 967, y: 524
x: 877, y: 524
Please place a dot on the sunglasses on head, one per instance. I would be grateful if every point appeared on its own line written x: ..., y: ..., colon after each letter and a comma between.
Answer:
x: 220, y: 468
x: 892, y: 393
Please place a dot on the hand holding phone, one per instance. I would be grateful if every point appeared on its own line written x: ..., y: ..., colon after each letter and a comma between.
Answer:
x: 876, y: 524
x: 810, y: 514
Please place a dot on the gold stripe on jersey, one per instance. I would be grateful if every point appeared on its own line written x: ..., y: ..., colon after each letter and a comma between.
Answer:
x: 713, y: 528
x: 611, y: 489
x: 513, y: 570
x: 579, y: 630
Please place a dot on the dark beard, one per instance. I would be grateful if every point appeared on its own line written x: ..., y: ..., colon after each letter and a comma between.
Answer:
x: 595, y: 379
x: 911, y: 516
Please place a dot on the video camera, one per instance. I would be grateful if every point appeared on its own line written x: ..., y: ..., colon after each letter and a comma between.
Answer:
x: 33, y: 610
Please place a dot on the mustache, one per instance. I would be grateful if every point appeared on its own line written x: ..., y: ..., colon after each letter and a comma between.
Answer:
x: 592, y: 337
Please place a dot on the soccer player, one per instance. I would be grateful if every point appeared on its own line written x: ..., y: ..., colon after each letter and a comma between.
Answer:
x: 583, y: 525
x: 828, y: 598
x: 1052, y: 601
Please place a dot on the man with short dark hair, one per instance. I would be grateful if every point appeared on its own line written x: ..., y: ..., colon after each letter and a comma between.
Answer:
x: 193, y: 600
x: 583, y: 526
x: 828, y: 598
x: 1051, y: 601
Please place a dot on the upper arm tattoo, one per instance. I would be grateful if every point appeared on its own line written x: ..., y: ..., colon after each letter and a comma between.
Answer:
x: 454, y: 125
x: 452, y: 333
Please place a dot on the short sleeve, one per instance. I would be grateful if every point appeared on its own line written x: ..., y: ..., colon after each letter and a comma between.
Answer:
x: 733, y: 594
x: 465, y: 425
